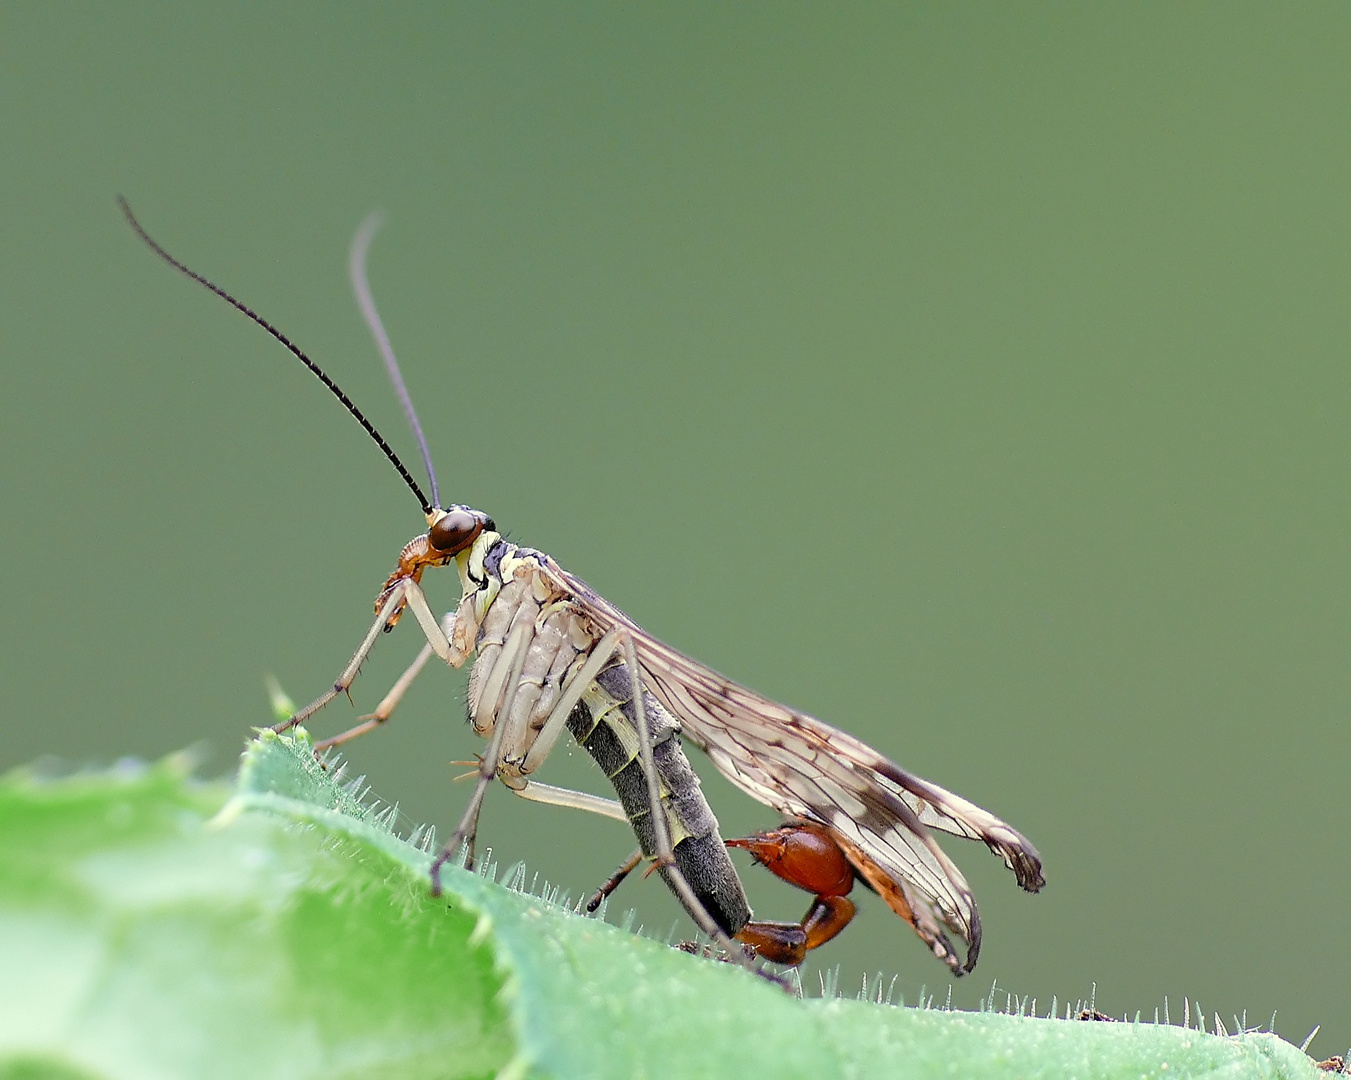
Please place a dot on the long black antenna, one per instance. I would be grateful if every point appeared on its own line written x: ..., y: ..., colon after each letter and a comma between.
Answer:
x: 356, y: 268
x: 293, y: 349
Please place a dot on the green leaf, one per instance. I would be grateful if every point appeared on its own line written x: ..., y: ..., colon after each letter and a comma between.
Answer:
x: 152, y: 926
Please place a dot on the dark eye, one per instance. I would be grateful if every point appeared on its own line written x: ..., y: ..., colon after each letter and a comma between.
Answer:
x: 455, y: 531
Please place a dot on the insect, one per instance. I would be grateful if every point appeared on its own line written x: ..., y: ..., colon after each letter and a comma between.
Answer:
x: 553, y: 655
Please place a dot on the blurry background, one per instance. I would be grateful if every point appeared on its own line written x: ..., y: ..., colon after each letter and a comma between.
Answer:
x: 976, y: 379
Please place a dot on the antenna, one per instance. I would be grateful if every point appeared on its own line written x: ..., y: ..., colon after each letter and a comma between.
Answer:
x: 356, y: 267
x: 333, y: 387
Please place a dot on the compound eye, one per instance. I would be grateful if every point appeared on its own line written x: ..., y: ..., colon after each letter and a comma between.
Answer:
x: 455, y: 531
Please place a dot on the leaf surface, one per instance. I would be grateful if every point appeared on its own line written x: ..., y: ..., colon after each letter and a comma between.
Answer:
x: 154, y: 926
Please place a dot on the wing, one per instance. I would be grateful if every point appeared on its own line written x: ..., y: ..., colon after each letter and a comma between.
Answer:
x: 879, y: 813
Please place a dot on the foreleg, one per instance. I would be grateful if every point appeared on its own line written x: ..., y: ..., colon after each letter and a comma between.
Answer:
x: 390, y: 701
x: 349, y: 673
x: 406, y: 592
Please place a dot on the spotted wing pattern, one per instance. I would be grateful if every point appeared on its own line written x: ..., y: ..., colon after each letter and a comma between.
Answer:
x: 880, y: 814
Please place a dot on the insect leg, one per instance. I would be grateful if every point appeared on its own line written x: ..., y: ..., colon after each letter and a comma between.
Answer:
x: 390, y: 702
x: 615, y: 880
x: 575, y: 800
x: 513, y: 658
x: 382, y: 712
x: 405, y: 592
x: 437, y: 638
x: 572, y: 693
x: 505, y: 674
x: 349, y: 673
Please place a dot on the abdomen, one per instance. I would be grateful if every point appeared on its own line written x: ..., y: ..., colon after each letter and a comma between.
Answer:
x: 604, y: 724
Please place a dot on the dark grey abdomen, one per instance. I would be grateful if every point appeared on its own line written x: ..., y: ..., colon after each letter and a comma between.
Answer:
x: 608, y: 732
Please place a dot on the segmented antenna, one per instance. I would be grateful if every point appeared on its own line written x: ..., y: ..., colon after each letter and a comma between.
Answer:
x: 356, y: 268
x: 293, y: 349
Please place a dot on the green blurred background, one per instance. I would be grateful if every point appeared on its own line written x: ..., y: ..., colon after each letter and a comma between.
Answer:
x: 975, y: 378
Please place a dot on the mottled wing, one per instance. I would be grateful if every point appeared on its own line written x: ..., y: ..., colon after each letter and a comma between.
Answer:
x: 804, y: 768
